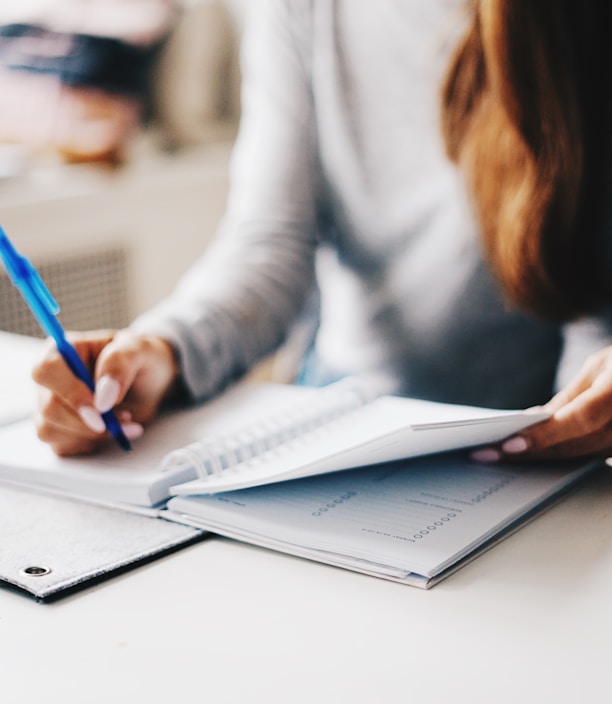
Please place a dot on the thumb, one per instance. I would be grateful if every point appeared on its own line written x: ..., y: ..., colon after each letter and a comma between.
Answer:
x: 107, y: 394
x: 116, y: 368
x: 136, y: 370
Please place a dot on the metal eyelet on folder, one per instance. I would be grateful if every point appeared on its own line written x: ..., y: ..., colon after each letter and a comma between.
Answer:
x: 35, y: 571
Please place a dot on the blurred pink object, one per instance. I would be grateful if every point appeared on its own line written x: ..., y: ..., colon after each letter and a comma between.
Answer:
x: 80, y: 123
x: 74, y: 75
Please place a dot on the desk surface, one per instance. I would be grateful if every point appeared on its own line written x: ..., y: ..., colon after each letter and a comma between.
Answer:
x: 529, y: 621
x: 18, y: 354
x: 222, y: 622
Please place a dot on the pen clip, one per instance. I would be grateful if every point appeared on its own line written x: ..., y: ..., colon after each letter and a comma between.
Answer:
x: 20, y: 270
x: 44, y: 307
x: 10, y: 257
x: 40, y: 288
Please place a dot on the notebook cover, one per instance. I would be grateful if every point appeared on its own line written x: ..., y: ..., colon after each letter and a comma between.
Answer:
x: 52, y: 546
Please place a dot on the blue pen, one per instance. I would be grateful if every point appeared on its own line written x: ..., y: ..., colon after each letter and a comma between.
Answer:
x: 42, y: 304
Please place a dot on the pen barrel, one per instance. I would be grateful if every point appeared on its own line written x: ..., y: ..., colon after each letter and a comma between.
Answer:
x: 45, y: 309
x: 114, y: 428
x: 74, y: 362
x: 78, y: 368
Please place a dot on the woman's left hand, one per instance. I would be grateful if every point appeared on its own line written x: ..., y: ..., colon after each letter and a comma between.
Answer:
x: 580, y: 424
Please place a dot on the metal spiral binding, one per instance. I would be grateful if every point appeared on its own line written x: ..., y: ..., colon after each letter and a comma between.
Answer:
x: 223, y: 453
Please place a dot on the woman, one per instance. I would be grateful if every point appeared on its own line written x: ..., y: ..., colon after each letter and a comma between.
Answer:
x: 460, y: 258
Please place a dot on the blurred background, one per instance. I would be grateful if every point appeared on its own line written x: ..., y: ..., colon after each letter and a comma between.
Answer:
x: 117, y: 118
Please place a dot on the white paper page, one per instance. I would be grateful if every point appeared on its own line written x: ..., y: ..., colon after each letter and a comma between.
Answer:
x: 18, y: 354
x: 388, y: 428
x: 415, y: 516
x: 135, y: 477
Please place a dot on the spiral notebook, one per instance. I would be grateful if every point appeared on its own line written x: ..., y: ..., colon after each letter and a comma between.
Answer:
x: 223, y: 467
x: 413, y: 521
x: 256, y: 434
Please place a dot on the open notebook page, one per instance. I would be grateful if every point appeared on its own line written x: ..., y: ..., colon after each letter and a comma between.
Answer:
x: 114, y: 476
x: 18, y: 354
x: 416, y: 516
x: 387, y: 428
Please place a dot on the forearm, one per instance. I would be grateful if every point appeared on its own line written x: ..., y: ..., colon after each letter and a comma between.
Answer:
x: 234, y: 307
x: 238, y: 302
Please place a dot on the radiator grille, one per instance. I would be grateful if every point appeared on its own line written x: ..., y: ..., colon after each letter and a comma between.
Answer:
x: 91, y: 288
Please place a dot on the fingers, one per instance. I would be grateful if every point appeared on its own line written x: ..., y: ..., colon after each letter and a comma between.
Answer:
x: 67, y: 418
x: 136, y: 371
x: 58, y: 425
x: 51, y: 371
x: 580, y: 424
x: 68, y: 404
x: 581, y: 421
x: 521, y: 448
x: 132, y: 375
x: 593, y: 372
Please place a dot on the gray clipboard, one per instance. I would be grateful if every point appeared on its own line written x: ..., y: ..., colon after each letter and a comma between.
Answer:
x: 51, y: 546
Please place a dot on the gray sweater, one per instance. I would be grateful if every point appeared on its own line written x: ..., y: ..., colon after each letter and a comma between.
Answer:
x: 341, y: 195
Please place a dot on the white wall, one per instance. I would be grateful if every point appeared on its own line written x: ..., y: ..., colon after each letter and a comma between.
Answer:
x: 162, y: 208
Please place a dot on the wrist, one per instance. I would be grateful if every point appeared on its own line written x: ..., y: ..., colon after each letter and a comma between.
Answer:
x: 175, y: 389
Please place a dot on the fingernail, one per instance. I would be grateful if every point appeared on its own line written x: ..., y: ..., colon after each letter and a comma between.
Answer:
x: 107, y: 392
x: 515, y: 445
x: 92, y: 419
x: 486, y: 454
x: 132, y: 430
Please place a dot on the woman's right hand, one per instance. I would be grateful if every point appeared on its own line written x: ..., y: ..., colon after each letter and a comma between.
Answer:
x: 133, y: 374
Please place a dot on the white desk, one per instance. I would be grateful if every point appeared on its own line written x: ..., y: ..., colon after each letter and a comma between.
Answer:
x: 220, y: 622
x: 17, y: 356
x: 530, y: 621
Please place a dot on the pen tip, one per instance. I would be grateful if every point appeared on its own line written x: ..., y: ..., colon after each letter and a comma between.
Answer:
x: 124, y: 443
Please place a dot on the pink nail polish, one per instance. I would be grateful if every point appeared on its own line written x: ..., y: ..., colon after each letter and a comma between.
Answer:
x: 486, y: 454
x: 515, y: 445
x: 92, y: 419
x: 132, y: 430
x: 107, y: 391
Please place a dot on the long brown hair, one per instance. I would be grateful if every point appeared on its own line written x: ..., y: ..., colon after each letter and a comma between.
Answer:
x: 524, y: 113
